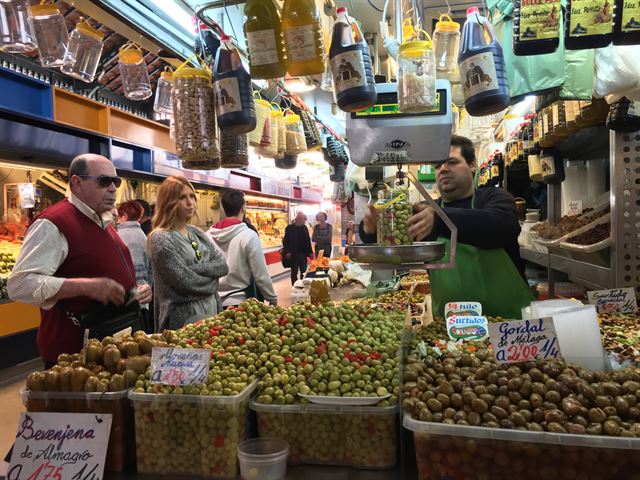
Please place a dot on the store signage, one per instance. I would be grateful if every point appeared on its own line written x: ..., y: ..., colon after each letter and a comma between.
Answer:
x: 273, y: 187
x: 467, y: 327
x: 60, y: 446
x: 524, y: 340
x: 462, y: 308
x: 179, y: 366
x: 575, y: 208
x: 398, y: 156
x: 621, y: 300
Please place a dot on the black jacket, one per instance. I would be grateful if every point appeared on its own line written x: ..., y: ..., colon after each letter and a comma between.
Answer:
x: 296, y: 240
x: 492, y: 224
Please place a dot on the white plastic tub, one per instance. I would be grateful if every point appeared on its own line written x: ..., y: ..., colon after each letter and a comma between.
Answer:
x: 463, y: 452
x: 263, y: 459
x: 359, y: 437
x: 189, y: 434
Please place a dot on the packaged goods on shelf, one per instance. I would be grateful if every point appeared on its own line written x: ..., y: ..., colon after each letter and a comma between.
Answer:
x: 621, y: 337
x: 189, y: 434
x: 354, y: 436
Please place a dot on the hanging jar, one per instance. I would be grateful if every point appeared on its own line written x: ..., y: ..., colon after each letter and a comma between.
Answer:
x: 234, y: 150
x: 50, y: 33
x: 195, y: 119
x: 263, y: 111
x: 282, y: 134
x: 446, y: 42
x: 162, y: 102
x: 82, y: 57
x: 133, y: 73
x: 15, y: 27
x: 296, y: 142
x: 416, y: 77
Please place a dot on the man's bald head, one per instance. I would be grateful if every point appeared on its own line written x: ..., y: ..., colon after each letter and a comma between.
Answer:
x: 81, y: 165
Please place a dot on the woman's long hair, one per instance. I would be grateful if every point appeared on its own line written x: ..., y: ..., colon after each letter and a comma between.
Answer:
x: 169, y: 195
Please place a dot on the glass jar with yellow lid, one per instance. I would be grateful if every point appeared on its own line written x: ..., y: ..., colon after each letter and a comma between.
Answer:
x: 416, y: 76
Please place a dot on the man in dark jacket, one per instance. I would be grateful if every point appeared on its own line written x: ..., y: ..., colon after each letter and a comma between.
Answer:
x: 296, y: 246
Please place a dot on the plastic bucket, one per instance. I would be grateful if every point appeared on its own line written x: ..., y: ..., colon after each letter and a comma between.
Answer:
x: 263, y: 459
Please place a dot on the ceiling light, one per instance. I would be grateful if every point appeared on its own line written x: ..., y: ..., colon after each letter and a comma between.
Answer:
x: 298, y: 85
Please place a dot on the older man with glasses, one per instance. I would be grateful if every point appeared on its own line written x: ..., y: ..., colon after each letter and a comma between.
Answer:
x: 72, y: 259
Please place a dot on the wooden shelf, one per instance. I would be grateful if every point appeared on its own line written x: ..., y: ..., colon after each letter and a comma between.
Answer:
x: 78, y: 111
x: 138, y: 130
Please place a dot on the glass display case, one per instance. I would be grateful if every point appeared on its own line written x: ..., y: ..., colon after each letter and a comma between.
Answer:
x: 270, y: 217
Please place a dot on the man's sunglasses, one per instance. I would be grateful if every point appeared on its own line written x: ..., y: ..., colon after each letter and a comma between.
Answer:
x: 194, y: 245
x: 104, y: 181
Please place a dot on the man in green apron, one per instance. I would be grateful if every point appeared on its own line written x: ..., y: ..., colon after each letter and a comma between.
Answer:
x: 488, y: 266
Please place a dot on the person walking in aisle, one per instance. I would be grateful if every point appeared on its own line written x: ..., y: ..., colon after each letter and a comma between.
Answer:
x: 248, y: 275
x: 322, y: 234
x: 186, y: 265
x: 72, y: 259
x: 129, y: 215
x: 296, y: 246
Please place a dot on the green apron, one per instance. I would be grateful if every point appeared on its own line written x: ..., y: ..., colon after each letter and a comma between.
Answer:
x: 480, y: 275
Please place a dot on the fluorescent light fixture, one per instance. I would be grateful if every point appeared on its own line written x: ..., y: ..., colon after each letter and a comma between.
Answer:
x: 525, y: 106
x: 298, y: 85
x: 173, y: 10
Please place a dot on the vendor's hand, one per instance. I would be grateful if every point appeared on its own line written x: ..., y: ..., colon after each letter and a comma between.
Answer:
x: 105, y: 290
x: 144, y: 294
x: 421, y: 224
x: 370, y: 221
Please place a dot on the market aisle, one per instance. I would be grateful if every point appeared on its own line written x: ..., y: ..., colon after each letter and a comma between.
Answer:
x: 282, y: 286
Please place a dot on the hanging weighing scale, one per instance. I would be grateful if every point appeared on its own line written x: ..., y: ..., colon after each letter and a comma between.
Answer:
x: 383, y: 136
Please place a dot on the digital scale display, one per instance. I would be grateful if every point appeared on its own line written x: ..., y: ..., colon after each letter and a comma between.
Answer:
x: 388, y: 106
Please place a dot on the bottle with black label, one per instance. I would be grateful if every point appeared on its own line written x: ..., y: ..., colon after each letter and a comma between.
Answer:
x: 627, y: 23
x: 552, y: 167
x: 588, y: 24
x: 536, y: 27
x: 497, y: 169
x: 624, y: 116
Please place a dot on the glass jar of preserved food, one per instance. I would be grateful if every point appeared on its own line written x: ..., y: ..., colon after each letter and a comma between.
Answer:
x: 15, y: 27
x: 50, y: 33
x: 296, y: 142
x: 234, y: 150
x: 133, y: 73
x: 416, y: 77
x: 195, y: 119
x: 82, y: 57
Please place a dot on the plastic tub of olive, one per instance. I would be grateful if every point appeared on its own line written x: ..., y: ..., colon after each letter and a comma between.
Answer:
x: 263, y: 459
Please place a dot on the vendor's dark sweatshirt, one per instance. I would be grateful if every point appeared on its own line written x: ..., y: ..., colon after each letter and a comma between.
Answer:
x: 492, y: 224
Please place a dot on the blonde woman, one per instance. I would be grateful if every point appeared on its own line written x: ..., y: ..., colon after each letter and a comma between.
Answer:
x: 186, y: 265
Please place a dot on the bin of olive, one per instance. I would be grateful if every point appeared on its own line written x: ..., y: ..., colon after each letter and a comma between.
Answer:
x: 393, y: 211
x: 358, y: 437
x: 189, y: 434
x: 473, y: 418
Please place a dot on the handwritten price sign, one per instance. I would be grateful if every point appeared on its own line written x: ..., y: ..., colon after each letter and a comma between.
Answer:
x: 179, y: 366
x: 524, y: 340
x: 60, y: 446
x: 462, y: 309
x: 621, y: 300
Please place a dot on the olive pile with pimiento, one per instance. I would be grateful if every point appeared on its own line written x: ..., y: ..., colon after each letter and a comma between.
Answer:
x: 469, y: 388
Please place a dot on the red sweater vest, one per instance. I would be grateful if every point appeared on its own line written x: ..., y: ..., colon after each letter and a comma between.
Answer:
x: 93, y: 252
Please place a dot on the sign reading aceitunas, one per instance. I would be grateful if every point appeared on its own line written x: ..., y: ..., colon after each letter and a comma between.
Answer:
x: 621, y: 300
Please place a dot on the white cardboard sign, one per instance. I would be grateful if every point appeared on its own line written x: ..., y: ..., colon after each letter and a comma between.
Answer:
x: 467, y: 327
x: 179, y: 366
x: 621, y: 300
x: 60, y: 446
x: 524, y: 340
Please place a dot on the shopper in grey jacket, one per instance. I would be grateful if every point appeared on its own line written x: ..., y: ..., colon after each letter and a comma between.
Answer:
x: 186, y: 265
x: 130, y: 231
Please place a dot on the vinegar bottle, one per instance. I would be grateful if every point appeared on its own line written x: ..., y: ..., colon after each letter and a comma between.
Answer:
x: 302, y: 30
x: 353, y: 80
x: 235, y: 109
x: 482, y: 67
x: 264, y: 39
x: 588, y: 24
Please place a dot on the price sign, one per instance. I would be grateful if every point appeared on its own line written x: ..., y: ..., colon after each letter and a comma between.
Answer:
x: 524, y: 340
x: 179, y: 366
x: 621, y: 300
x: 575, y: 208
x: 463, y: 309
x: 467, y: 327
x: 60, y: 446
